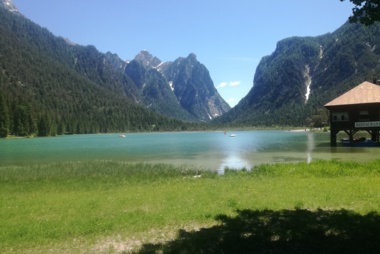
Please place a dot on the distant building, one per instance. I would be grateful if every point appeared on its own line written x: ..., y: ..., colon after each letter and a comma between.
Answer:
x: 357, y: 109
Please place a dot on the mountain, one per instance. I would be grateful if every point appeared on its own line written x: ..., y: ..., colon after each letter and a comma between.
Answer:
x: 8, y: 5
x: 183, y: 88
x: 50, y: 86
x: 194, y: 88
x: 148, y: 60
x: 293, y: 83
x: 155, y: 91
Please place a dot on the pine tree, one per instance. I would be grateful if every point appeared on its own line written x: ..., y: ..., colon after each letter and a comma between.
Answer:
x: 4, y: 117
x: 44, y: 125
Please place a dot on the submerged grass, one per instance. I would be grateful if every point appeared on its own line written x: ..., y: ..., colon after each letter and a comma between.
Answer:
x: 107, y: 206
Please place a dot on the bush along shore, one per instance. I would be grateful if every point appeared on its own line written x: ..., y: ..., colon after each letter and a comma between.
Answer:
x: 116, y: 207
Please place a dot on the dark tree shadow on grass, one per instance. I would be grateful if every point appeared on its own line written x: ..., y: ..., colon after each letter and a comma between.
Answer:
x: 286, y: 231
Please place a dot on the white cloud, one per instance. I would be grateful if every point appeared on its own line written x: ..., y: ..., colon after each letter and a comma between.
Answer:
x: 223, y: 84
x: 234, y: 83
x: 231, y: 83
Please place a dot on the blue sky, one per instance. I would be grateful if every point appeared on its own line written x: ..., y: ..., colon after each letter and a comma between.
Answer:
x: 228, y: 37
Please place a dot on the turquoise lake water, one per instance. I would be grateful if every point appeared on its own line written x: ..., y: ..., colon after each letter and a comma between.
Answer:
x: 209, y: 150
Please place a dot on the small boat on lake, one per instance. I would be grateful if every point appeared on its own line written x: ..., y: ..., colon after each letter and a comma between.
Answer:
x: 121, y: 136
x: 232, y: 135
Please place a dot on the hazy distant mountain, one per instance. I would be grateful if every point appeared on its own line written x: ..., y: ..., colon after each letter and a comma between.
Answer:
x: 146, y: 81
x: 304, y: 73
x: 194, y: 88
x: 183, y: 88
x: 147, y: 60
x: 155, y: 92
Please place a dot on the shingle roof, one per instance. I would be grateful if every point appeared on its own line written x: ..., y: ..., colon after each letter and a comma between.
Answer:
x: 364, y: 93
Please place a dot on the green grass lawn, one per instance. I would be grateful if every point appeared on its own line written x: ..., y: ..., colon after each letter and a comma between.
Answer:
x: 107, y: 207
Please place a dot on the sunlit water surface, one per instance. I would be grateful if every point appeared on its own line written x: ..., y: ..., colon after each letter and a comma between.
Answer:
x: 209, y: 150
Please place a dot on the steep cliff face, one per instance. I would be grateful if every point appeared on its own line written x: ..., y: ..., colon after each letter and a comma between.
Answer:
x: 182, y: 88
x: 304, y: 73
x: 194, y: 88
x: 155, y: 92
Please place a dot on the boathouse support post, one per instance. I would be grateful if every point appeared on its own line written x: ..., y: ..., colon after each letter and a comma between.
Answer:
x: 351, y: 134
x: 374, y: 135
x: 333, y: 137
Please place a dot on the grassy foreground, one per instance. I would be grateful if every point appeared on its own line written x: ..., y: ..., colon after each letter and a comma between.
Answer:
x: 115, y: 207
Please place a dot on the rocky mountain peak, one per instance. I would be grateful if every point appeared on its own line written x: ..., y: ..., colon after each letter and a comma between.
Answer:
x: 147, y: 59
x: 8, y: 4
x: 191, y: 83
x: 192, y: 57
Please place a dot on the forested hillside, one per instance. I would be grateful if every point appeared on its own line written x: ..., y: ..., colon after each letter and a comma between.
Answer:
x: 303, y: 73
x: 50, y: 86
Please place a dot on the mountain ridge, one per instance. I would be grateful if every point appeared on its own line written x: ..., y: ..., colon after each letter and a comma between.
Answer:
x: 190, y: 82
x: 41, y: 75
x: 292, y: 84
x: 49, y: 86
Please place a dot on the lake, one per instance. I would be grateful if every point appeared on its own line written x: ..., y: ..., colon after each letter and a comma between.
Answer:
x: 209, y: 150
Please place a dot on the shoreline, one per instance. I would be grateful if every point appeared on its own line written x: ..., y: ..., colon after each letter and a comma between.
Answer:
x: 300, y: 130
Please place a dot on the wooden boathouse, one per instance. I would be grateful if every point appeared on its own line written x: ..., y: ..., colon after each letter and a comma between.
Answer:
x: 357, y: 109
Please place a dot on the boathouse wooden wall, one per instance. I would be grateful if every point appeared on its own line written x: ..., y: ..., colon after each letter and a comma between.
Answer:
x: 346, y: 118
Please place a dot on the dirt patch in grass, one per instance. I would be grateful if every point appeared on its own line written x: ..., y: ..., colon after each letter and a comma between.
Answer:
x: 132, y: 244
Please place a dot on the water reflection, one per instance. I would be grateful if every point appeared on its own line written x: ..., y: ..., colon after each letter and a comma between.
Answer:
x: 310, y: 146
x: 234, y: 161
x: 208, y: 150
x: 235, y: 149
